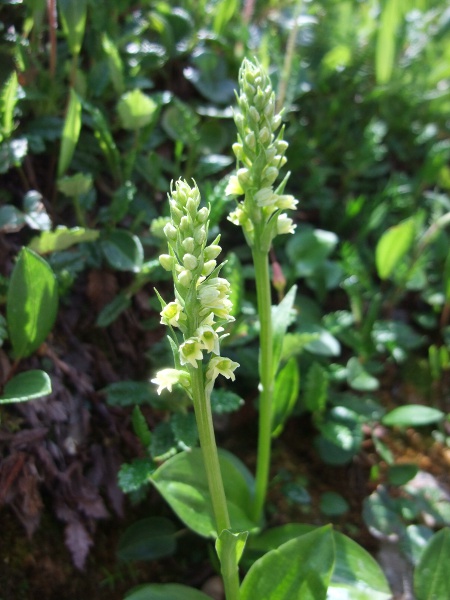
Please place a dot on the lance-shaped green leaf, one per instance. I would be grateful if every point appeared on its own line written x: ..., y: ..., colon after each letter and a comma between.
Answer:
x: 393, y: 245
x: 413, y: 415
x: 73, y: 17
x: 281, y: 319
x: 70, y: 133
x: 31, y: 304
x: 287, y: 385
x: 26, y: 386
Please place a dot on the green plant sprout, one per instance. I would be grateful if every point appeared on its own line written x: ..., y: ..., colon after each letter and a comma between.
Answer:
x: 260, y: 156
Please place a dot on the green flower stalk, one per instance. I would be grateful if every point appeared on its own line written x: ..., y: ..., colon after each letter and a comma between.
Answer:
x: 200, y: 309
x: 260, y: 154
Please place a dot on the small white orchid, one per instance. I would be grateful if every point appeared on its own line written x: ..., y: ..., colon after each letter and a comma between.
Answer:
x: 167, y: 378
x: 191, y: 352
x: 172, y: 314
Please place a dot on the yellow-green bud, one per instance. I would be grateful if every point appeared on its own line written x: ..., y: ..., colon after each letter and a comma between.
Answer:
x: 200, y: 235
x: 250, y: 140
x: 212, y: 251
x: 264, y: 135
x: 185, y: 278
x: 185, y: 224
x: 188, y: 244
x: 202, y: 215
x: 170, y: 231
x: 254, y: 114
x: 167, y: 262
x: 208, y: 267
x: 190, y: 262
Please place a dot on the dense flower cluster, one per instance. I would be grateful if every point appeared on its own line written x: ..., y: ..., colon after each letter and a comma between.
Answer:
x: 201, y: 304
x: 260, y: 156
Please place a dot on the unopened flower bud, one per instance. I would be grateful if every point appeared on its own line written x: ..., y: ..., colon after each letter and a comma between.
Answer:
x: 250, y: 140
x: 285, y: 224
x: 191, y: 207
x: 270, y: 174
x: 185, y: 224
x: 238, y: 150
x: 185, y: 278
x: 167, y: 262
x: 244, y: 178
x: 202, y: 215
x: 175, y: 212
x: 208, y: 267
x: 190, y: 262
x: 188, y: 244
x: 170, y: 231
x: 212, y: 251
x: 276, y: 122
x: 282, y: 146
x: 200, y: 235
x: 264, y: 135
x: 254, y: 114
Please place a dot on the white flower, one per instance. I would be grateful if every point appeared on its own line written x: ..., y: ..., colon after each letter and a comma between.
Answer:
x: 220, y: 365
x: 167, y: 378
x: 286, y: 202
x: 233, y: 188
x: 208, y: 338
x: 191, y: 352
x: 172, y: 314
x: 213, y: 296
x: 285, y: 224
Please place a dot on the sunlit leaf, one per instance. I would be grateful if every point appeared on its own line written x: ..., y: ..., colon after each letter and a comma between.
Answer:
x: 413, y: 415
x: 32, y: 303
x: 300, y: 569
x: 393, y: 245
x: 61, y: 239
x: 26, y: 386
x: 431, y: 580
x: 70, y: 133
x: 123, y: 251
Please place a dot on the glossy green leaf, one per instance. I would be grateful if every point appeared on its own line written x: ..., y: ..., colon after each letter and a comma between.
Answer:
x: 358, y: 378
x: 182, y: 482
x: 73, y: 17
x: 356, y: 574
x: 11, y: 218
x: 31, y: 304
x: 70, y: 133
x: 61, y: 239
x: 413, y: 415
x: 26, y: 386
x: 431, y: 577
x: 148, y: 539
x: 281, y: 319
x: 286, y: 390
x: 300, y: 569
x: 342, y: 427
x: 401, y: 473
x: 123, y: 251
x: 381, y: 516
x: 180, y: 122
x: 12, y: 153
x: 165, y: 591
x: 393, y: 246
x: 35, y: 214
